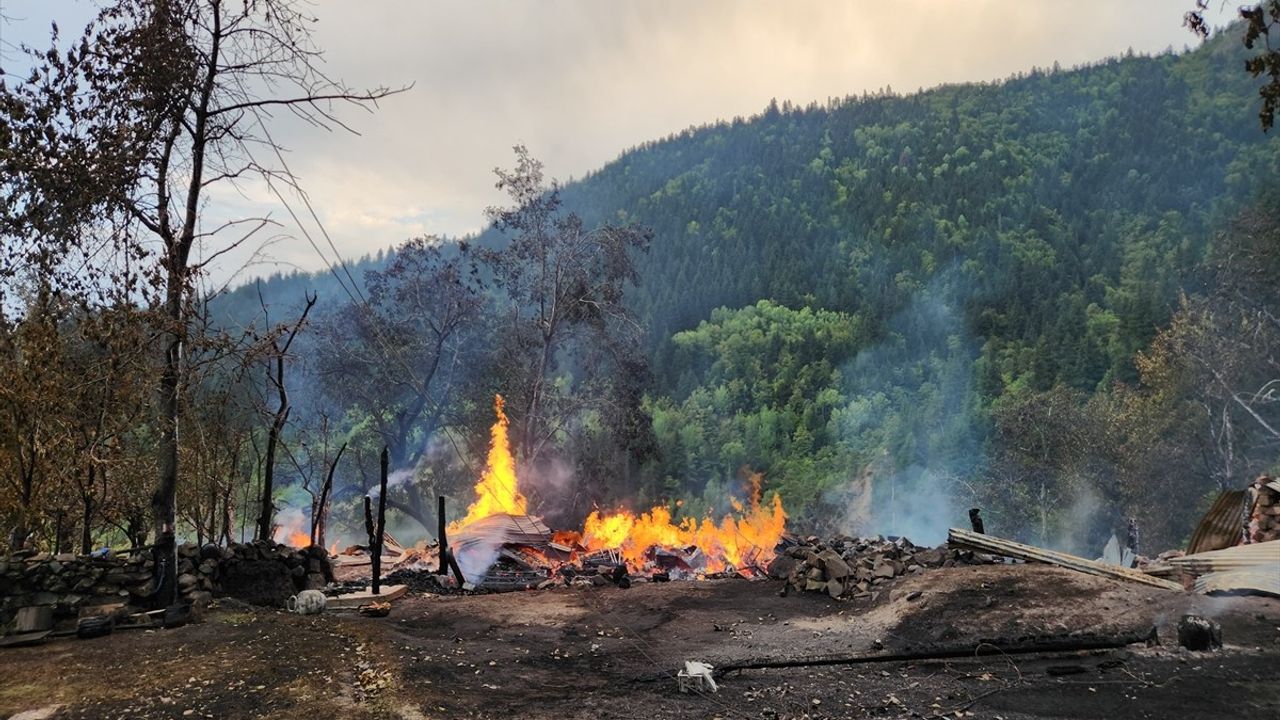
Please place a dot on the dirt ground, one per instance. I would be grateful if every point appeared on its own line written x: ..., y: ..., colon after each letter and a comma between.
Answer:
x: 608, y: 653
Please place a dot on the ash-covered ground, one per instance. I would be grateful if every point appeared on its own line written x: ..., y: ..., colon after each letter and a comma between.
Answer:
x: 607, y: 652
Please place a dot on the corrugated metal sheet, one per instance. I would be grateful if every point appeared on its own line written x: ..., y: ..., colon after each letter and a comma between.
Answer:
x: 502, y: 529
x: 1261, y: 581
x: 1222, y: 526
x: 1261, y: 556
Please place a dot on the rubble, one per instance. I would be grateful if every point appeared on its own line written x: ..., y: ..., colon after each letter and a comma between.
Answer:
x: 845, y: 566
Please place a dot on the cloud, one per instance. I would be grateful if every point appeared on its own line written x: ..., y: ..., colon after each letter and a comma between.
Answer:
x: 579, y: 81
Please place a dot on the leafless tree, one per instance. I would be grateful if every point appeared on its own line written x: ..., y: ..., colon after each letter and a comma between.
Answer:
x: 126, y: 129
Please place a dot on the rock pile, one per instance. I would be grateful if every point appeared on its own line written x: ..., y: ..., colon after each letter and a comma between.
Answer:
x: 845, y: 566
x: 1263, y: 520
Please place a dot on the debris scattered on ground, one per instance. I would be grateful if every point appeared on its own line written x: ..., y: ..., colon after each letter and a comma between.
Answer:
x: 375, y: 609
x: 696, y: 677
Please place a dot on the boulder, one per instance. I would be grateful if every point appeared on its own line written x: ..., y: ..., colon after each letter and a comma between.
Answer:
x: 883, y: 570
x: 835, y: 588
x: 834, y: 565
x: 781, y: 566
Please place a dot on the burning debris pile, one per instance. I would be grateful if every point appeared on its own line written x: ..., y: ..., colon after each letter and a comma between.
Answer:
x: 499, y: 546
x: 846, y: 566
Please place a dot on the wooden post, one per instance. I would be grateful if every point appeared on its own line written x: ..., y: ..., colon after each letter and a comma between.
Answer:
x: 382, y: 525
x: 369, y: 529
x: 447, y: 560
x: 976, y: 521
x: 443, y: 539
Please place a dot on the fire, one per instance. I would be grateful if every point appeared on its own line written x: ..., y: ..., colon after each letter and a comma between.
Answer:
x: 292, y: 529
x: 748, y: 539
x: 745, y: 538
x: 496, y: 492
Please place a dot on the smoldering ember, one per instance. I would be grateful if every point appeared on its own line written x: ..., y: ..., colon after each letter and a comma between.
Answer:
x: 958, y: 403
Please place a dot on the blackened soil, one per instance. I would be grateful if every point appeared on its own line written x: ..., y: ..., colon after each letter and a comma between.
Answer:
x: 609, y: 653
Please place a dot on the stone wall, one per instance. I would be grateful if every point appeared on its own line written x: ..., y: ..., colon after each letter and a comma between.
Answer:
x: 68, y: 583
x: 263, y: 573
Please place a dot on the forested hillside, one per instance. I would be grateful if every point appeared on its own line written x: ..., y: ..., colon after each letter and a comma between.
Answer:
x: 888, y: 303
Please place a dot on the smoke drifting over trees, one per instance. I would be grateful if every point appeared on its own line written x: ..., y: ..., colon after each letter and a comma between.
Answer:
x: 1052, y: 297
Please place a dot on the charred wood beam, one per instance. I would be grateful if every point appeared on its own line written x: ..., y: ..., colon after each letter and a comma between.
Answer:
x: 443, y: 539
x: 975, y: 520
x: 376, y: 550
x: 1055, y: 644
x: 447, y: 561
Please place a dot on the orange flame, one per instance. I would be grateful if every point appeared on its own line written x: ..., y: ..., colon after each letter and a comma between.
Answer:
x: 496, y: 492
x: 292, y: 530
x: 748, y: 539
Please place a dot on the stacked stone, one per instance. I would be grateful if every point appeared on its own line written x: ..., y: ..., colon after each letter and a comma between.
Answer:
x: 261, y: 572
x: 1263, y: 523
x: 68, y: 583
x: 845, y: 566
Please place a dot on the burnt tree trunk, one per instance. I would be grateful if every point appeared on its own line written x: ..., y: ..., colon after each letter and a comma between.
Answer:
x: 279, y: 418
x: 267, y: 509
x: 382, y: 526
x: 86, y: 533
x: 320, y: 516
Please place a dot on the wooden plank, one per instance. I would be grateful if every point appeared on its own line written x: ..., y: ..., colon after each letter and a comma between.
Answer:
x: 33, y: 619
x: 350, y: 601
x: 967, y: 540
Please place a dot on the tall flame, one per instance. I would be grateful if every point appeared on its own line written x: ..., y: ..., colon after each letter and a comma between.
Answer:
x: 496, y: 492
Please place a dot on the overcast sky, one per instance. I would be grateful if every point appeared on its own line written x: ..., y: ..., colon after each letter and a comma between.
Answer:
x: 579, y: 81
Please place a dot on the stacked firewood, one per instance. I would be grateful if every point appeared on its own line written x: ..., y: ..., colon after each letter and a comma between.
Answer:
x: 1263, y: 521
